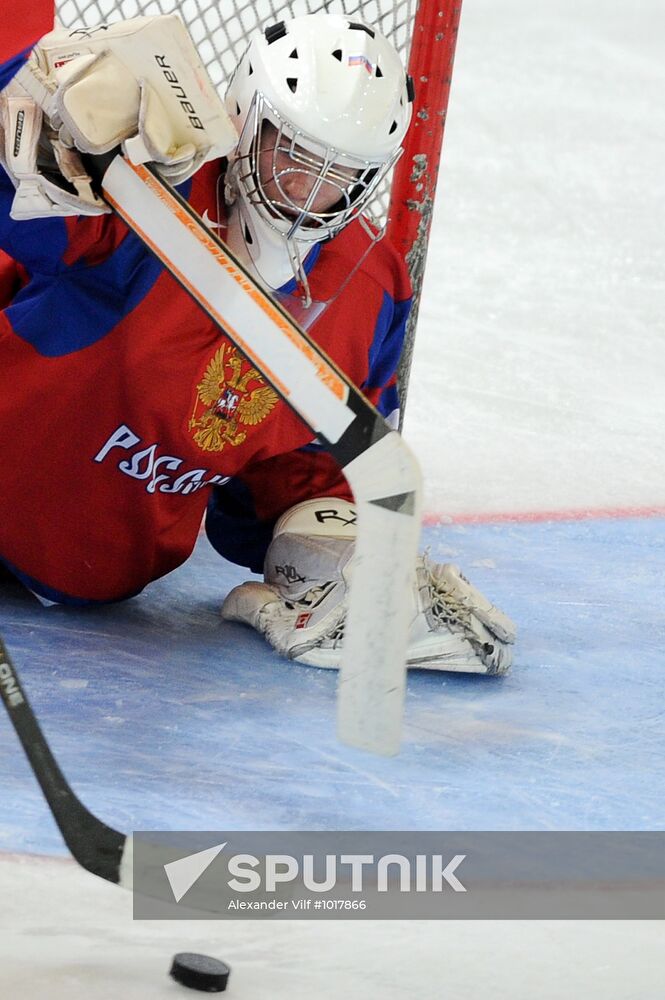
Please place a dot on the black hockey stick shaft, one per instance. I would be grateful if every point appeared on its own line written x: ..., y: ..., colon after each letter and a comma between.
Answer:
x: 96, y: 847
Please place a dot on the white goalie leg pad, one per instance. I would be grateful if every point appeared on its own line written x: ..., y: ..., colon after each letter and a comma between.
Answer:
x: 302, y: 601
x: 301, y: 606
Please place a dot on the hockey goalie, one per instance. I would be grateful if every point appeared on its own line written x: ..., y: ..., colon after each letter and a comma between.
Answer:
x: 125, y: 418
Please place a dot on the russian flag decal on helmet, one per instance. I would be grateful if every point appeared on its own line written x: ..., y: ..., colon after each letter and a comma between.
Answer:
x: 361, y: 60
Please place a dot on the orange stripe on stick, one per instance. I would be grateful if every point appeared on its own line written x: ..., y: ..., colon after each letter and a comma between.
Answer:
x: 324, y: 372
x: 222, y: 320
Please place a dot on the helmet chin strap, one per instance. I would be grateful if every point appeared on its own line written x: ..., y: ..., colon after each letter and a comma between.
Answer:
x: 273, y: 258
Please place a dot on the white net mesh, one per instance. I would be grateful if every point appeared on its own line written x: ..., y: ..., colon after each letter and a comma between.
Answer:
x: 220, y: 28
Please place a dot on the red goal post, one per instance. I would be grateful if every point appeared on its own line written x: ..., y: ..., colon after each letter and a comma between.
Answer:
x: 423, y: 32
x: 430, y: 64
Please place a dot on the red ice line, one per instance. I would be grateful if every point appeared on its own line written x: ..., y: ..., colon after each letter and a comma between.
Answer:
x: 534, y: 516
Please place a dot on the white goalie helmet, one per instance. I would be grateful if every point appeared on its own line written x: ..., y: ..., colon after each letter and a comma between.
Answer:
x: 321, y: 105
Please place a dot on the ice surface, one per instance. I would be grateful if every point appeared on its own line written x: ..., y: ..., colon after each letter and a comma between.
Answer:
x: 164, y: 716
x: 540, y: 360
x: 69, y: 936
x: 537, y: 387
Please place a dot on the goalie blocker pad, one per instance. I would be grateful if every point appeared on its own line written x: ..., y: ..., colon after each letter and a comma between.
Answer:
x: 139, y: 84
x: 104, y: 69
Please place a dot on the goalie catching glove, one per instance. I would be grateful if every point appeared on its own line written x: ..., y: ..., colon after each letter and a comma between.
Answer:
x: 137, y: 84
x: 301, y: 606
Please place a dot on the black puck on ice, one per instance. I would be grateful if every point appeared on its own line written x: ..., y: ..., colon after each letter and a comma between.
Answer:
x: 200, y: 972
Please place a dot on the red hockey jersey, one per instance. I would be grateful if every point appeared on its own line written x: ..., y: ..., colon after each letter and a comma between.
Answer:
x: 124, y: 412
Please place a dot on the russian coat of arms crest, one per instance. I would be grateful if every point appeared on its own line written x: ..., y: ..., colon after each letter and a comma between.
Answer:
x: 232, y: 396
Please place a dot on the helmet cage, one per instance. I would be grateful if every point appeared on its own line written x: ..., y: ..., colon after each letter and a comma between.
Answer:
x: 353, y: 178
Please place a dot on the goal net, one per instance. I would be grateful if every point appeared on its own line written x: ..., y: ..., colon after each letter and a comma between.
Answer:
x: 220, y: 28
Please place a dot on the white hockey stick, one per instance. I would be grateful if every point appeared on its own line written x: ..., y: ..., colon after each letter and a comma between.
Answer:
x: 380, y: 469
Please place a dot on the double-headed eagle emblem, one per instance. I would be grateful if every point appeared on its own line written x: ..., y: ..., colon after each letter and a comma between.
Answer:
x: 231, y: 396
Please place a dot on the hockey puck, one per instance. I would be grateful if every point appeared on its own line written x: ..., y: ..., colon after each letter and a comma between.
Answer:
x: 200, y: 972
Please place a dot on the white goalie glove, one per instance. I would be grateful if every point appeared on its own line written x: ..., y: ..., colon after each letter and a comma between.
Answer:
x: 301, y: 606
x: 137, y: 84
